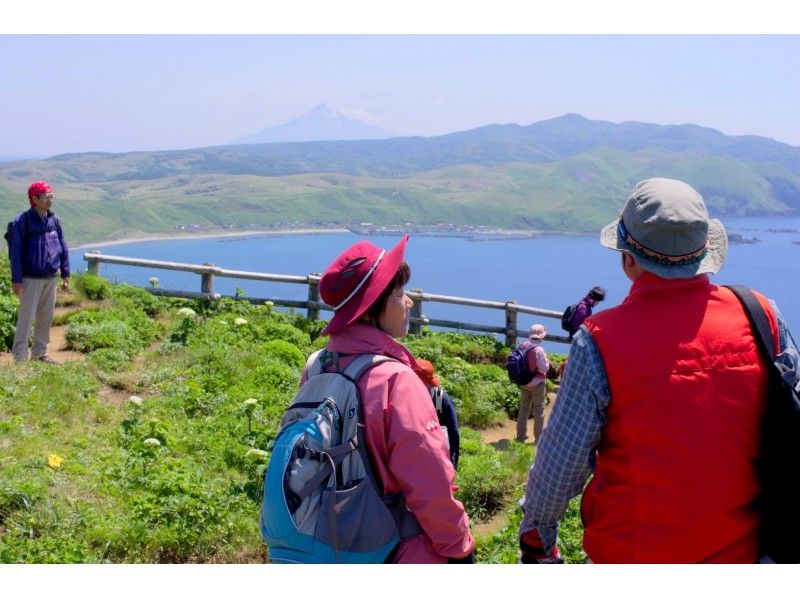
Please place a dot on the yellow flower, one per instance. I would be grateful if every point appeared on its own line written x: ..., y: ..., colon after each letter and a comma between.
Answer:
x: 54, y: 461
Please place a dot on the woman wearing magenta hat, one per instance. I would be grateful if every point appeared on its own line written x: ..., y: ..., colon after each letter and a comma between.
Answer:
x: 365, y: 286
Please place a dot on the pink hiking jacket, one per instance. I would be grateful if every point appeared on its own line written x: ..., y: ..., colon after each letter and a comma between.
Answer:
x: 407, y: 445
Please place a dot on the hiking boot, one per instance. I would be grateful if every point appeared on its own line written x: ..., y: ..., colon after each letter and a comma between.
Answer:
x: 47, y: 359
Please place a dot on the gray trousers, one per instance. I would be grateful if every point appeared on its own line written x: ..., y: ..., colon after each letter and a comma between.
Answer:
x: 36, y: 305
x: 531, y: 397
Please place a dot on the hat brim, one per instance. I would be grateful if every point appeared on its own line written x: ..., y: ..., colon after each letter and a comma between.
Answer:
x: 357, y: 306
x: 710, y: 264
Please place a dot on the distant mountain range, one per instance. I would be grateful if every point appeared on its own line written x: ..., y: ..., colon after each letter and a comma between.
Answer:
x: 567, y: 173
x: 320, y: 124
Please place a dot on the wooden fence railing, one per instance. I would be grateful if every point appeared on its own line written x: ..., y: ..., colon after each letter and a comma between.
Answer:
x: 313, y: 304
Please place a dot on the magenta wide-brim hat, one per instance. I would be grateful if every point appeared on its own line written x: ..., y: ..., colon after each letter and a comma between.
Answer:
x: 355, y: 280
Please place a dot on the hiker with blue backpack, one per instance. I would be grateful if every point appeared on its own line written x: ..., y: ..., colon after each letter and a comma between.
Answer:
x: 38, y: 253
x: 360, y: 470
x: 527, y: 367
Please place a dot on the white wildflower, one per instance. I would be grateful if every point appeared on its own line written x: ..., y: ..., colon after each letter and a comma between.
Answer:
x: 152, y: 442
x: 187, y: 312
x: 257, y: 454
x: 250, y: 402
x: 240, y: 321
x: 153, y: 281
x: 134, y: 400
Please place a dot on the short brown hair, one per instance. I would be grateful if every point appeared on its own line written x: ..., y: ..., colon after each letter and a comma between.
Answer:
x: 398, y: 282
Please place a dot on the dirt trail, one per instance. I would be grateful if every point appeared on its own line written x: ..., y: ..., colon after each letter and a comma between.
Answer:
x: 500, y: 437
x: 58, y: 345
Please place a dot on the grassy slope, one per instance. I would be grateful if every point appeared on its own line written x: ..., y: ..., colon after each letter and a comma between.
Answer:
x: 196, y: 497
x: 579, y: 193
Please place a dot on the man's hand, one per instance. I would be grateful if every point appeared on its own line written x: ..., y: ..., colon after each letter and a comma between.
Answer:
x: 17, y: 288
x: 533, y: 553
x: 65, y: 284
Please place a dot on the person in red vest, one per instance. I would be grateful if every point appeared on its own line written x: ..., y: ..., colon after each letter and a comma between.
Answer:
x: 661, y: 403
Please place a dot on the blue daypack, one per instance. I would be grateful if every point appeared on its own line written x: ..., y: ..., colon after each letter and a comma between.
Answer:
x: 322, y: 502
x: 517, y: 365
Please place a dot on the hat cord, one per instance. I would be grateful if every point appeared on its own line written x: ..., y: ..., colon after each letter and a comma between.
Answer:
x: 363, y: 280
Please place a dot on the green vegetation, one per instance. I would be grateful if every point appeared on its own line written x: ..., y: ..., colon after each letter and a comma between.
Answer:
x: 153, y: 448
x: 566, y: 174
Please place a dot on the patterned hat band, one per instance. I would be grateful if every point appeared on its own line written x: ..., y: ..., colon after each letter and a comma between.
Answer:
x: 655, y: 256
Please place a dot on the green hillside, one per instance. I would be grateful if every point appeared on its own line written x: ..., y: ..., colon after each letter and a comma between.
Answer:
x: 566, y: 174
x: 90, y: 474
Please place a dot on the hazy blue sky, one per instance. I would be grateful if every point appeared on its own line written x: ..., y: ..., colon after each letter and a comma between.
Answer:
x: 74, y: 93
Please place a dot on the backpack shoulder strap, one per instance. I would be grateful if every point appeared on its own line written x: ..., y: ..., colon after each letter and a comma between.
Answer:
x: 362, y: 363
x: 405, y: 521
x: 758, y: 320
x: 314, y: 363
x: 22, y: 224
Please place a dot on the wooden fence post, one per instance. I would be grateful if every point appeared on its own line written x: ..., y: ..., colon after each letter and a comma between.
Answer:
x: 511, y: 324
x: 313, y: 297
x: 416, y: 314
x: 94, y: 266
x: 207, y: 281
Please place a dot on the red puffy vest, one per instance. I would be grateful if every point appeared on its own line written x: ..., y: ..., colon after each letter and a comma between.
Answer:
x: 676, y: 478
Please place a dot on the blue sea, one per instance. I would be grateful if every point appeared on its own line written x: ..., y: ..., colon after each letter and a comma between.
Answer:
x: 550, y: 271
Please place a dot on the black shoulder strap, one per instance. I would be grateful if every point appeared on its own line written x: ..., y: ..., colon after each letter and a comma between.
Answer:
x: 758, y: 320
x: 24, y: 216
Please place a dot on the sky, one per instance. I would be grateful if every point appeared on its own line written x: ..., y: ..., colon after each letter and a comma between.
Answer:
x: 126, y: 91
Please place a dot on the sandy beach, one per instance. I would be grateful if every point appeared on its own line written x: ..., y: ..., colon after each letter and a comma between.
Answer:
x: 485, y: 235
x: 191, y: 236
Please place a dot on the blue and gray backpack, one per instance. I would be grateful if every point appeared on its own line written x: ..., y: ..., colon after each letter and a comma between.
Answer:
x: 322, y: 501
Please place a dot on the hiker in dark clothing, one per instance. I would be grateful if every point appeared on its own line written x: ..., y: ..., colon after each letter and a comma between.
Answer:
x: 584, y: 307
x: 38, y: 254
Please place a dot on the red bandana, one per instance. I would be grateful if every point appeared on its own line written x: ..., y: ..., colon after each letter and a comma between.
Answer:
x: 38, y: 188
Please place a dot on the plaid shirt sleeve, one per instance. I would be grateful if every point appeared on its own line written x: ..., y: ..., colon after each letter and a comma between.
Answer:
x: 788, y: 360
x: 565, y: 457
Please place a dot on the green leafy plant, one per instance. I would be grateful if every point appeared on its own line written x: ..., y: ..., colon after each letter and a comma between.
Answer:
x: 91, y: 286
x: 195, y: 497
x: 9, y: 304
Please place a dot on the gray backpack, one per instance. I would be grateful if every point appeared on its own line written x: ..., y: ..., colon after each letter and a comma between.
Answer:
x: 322, y: 501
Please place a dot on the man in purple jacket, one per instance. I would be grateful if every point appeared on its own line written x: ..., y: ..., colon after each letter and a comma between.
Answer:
x: 38, y: 254
x: 584, y: 308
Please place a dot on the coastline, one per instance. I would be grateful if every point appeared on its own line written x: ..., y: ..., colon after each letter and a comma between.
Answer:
x: 490, y: 235
x: 191, y: 236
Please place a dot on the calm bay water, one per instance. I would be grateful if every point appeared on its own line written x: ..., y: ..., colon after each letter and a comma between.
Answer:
x: 550, y: 271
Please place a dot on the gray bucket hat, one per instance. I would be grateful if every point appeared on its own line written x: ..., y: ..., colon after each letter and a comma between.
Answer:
x: 665, y: 224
